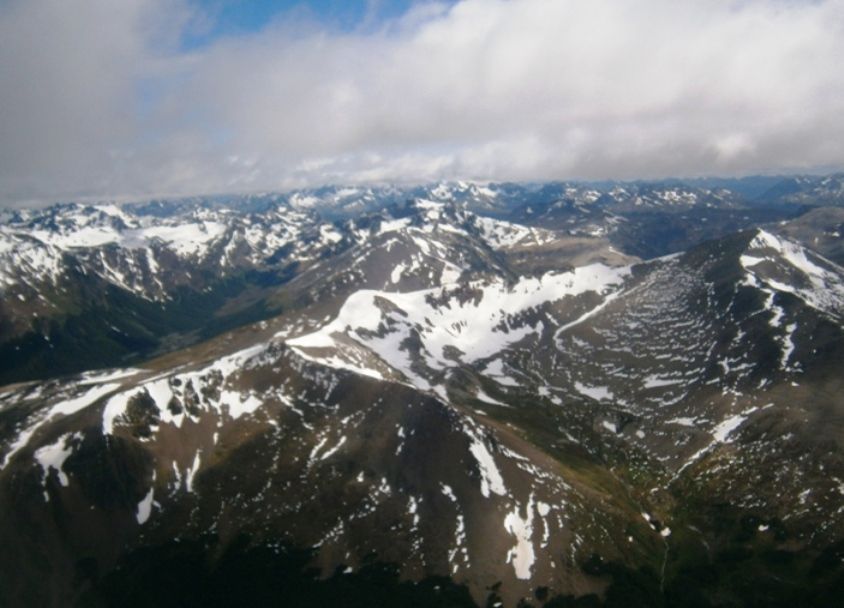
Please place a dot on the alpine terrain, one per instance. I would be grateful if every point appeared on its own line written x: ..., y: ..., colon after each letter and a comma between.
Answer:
x: 561, y: 394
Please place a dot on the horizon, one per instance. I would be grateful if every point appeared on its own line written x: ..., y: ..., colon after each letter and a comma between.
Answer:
x: 597, y: 183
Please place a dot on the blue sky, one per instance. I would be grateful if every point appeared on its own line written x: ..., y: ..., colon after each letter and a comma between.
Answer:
x: 244, y: 17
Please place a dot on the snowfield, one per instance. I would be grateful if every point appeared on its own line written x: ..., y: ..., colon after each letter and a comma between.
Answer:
x: 476, y: 322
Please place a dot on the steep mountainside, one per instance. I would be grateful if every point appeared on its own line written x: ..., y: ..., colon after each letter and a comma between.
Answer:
x: 821, y: 229
x: 87, y: 285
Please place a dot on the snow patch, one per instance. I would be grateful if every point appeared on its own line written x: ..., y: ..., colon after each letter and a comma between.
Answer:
x: 522, y: 555
x: 491, y: 480
x: 145, y: 508
x: 598, y: 393
x: 53, y: 456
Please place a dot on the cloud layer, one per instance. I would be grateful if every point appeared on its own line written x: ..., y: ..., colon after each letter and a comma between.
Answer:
x: 101, y: 98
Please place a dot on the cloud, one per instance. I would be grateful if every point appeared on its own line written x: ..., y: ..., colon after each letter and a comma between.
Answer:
x: 99, y: 99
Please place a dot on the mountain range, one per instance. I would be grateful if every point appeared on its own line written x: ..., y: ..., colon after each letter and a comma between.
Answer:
x: 614, y: 394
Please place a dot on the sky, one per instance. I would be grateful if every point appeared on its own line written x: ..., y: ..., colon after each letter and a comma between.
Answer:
x: 138, y: 98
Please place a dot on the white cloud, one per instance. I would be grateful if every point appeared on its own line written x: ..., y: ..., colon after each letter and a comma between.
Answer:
x: 99, y: 100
